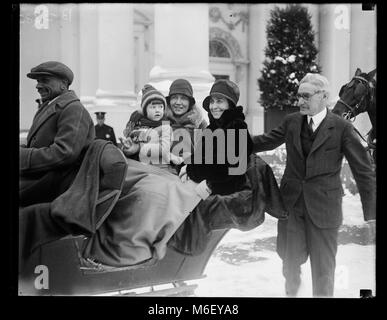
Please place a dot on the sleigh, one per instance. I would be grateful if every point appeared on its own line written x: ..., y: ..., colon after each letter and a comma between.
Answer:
x: 71, y: 274
x: 60, y: 267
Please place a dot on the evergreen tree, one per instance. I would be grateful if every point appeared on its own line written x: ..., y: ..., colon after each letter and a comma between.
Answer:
x: 290, y: 55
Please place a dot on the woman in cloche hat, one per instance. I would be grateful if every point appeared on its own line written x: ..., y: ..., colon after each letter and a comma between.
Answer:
x: 224, y: 114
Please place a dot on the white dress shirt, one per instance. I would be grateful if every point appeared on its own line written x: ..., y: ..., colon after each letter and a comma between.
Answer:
x: 318, y: 118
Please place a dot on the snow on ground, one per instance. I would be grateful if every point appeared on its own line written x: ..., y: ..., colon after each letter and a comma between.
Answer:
x: 245, y: 264
x: 355, y: 270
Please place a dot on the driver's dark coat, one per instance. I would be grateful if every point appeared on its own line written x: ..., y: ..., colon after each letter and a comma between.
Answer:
x: 318, y: 176
x: 59, y: 133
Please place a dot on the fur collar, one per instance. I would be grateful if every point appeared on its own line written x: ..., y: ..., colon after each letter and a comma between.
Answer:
x: 233, y: 114
x: 191, y: 119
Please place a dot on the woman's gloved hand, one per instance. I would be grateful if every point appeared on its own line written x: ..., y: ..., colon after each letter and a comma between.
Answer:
x: 203, y: 190
x: 176, y: 160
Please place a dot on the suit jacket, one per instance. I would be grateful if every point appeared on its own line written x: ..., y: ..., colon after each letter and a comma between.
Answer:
x: 317, y: 177
x: 60, y: 131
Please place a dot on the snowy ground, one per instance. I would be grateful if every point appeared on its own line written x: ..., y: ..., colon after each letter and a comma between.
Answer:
x: 245, y: 264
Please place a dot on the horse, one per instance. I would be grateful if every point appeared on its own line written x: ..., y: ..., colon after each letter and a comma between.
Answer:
x: 358, y: 96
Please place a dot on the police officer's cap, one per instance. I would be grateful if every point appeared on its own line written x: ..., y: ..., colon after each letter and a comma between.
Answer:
x: 100, y: 115
x: 53, y: 69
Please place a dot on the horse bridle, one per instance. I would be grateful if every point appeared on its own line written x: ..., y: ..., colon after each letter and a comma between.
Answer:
x: 353, y: 111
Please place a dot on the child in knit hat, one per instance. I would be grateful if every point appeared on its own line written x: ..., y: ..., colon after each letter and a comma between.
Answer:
x: 149, y: 134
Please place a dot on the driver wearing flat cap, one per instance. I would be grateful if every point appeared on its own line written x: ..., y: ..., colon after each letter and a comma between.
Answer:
x: 61, y: 131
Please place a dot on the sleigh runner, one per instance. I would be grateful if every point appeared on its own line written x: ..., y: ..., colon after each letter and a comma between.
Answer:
x: 71, y: 274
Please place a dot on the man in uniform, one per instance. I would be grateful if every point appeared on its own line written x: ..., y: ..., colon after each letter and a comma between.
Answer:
x: 61, y: 132
x: 103, y: 131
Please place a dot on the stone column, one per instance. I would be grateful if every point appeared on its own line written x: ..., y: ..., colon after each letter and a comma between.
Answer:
x: 334, y: 37
x: 69, y: 40
x: 88, y: 53
x: 363, y: 51
x: 182, y: 47
x: 363, y: 39
x: 115, y: 94
x: 259, y: 15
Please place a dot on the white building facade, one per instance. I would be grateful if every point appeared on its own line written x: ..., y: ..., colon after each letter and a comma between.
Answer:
x: 114, y: 49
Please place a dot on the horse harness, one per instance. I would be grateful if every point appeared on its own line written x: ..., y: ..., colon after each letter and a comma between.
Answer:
x: 355, y: 110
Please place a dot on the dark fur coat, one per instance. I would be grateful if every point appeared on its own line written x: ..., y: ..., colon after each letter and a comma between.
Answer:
x: 217, y: 174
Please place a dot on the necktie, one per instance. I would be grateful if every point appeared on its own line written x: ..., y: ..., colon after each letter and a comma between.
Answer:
x: 311, y: 124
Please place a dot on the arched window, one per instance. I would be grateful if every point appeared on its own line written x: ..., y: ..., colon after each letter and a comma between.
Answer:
x: 218, y: 49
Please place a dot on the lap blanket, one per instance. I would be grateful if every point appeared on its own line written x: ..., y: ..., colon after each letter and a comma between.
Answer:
x: 243, y: 210
x: 155, y: 211
x: 152, y: 206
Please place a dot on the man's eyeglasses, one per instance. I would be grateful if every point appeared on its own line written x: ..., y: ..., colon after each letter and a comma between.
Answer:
x: 307, y: 96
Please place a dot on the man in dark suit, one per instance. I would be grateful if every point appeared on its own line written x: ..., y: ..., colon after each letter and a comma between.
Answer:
x: 103, y: 131
x: 61, y: 132
x: 316, y: 141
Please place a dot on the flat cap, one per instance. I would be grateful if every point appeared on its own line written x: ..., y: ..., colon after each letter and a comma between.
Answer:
x: 52, y: 68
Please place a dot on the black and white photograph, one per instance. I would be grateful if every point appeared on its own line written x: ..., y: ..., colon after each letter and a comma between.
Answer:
x: 197, y: 150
